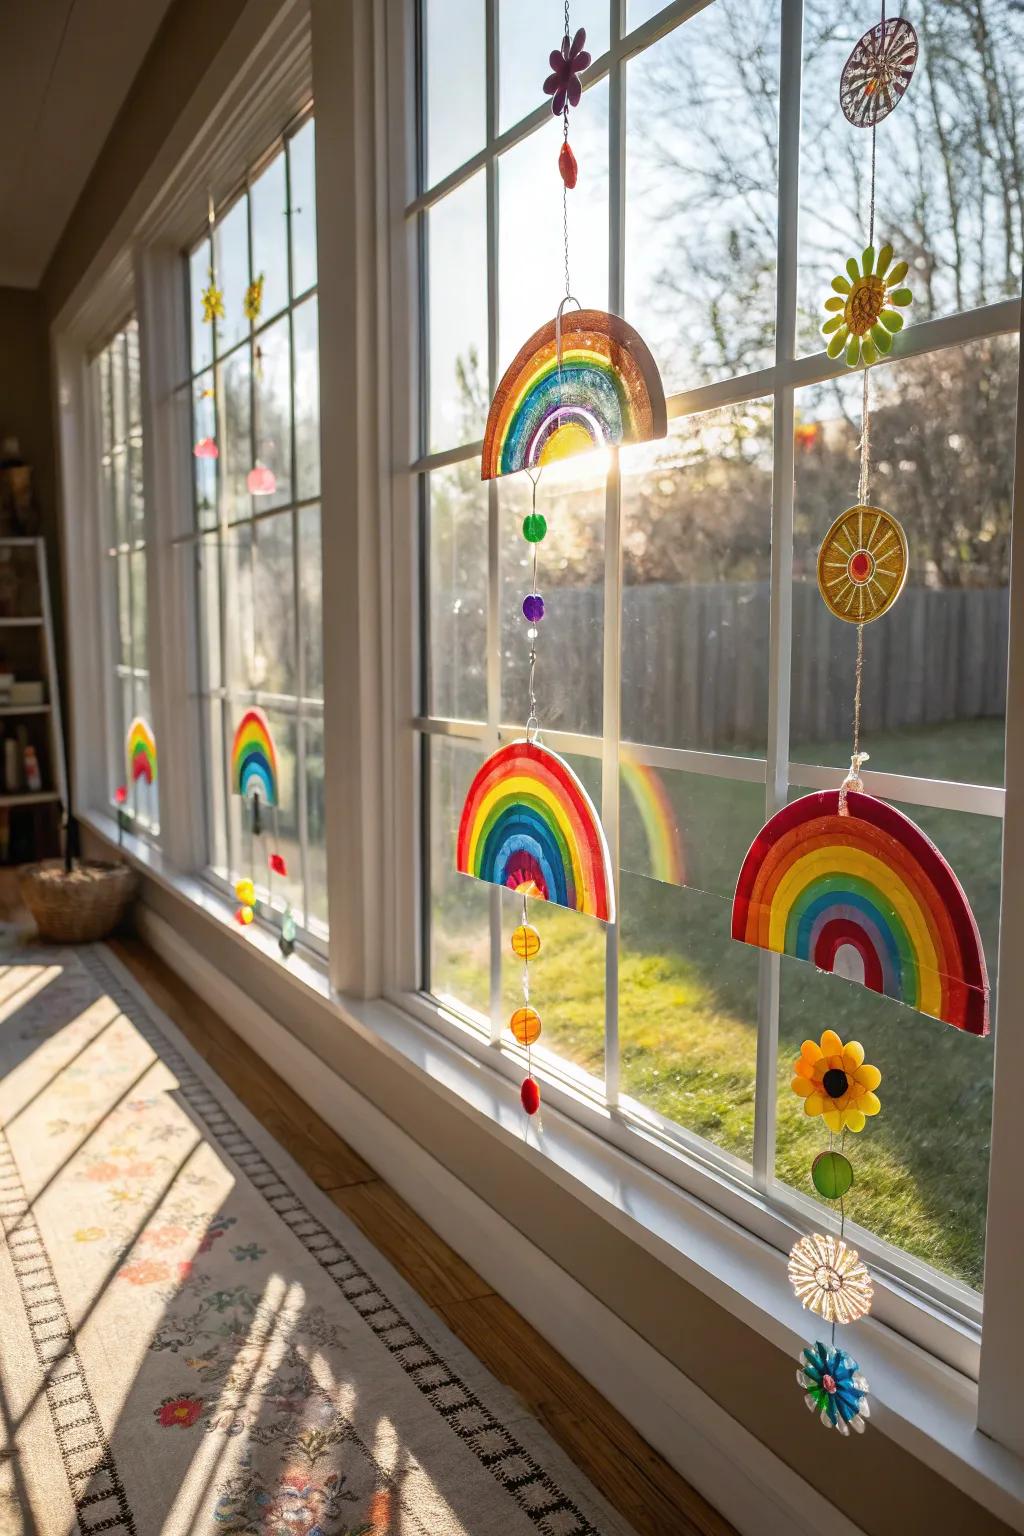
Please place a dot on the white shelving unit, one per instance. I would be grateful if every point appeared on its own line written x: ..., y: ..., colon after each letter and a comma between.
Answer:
x: 56, y: 791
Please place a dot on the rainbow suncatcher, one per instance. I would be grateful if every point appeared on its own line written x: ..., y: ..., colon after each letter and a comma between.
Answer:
x: 607, y: 391
x: 528, y: 824
x: 254, y: 759
x: 871, y: 889
x: 140, y: 750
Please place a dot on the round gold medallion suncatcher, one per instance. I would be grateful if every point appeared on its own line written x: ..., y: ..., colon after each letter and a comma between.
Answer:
x: 862, y: 564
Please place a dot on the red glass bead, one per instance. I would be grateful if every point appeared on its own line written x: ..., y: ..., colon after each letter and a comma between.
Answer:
x: 567, y: 167
x: 277, y: 864
x: 530, y: 1095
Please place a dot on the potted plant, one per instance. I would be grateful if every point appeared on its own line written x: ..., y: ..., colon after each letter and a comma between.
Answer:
x: 74, y: 900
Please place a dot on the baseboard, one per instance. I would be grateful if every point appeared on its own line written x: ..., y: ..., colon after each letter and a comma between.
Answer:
x: 756, y: 1491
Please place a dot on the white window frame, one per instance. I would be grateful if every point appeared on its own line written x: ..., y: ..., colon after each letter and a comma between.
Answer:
x: 115, y: 673
x: 300, y: 707
x: 938, y: 1312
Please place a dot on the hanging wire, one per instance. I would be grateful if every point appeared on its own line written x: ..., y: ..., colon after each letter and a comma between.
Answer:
x: 857, y: 757
x: 566, y: 45
x: 532, y: 721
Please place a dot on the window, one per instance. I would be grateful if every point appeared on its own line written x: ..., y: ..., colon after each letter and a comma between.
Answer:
x: 255, y: 423
x: 690, y: 663
x: 115, y: 375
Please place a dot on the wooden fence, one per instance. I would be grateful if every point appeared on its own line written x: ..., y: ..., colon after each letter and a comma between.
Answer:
x: 695, y: 663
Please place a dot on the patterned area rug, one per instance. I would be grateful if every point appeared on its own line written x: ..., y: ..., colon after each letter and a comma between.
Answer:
x: 192, y: 1337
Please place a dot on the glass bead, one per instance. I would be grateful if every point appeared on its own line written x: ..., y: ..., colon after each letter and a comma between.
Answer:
x: 531, y: 634
x: 832, y: 1175
x: 525, y: 1025
x: 530, y: 1095
x: 534, y: 527
x: 533, y: 607
x: 525, y: 942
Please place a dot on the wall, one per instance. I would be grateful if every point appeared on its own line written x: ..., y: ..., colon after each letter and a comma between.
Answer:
x: 26, y: 412
x: 25, y: 409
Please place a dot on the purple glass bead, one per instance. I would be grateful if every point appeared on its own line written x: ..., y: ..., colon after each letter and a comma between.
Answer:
x: 533, y: 607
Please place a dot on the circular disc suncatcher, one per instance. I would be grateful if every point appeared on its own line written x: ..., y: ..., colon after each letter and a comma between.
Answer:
x: 878, y: 71
x: 862, y: 564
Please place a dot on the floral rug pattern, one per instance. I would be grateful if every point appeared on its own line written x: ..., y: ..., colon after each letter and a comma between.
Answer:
x: 196, y: 1339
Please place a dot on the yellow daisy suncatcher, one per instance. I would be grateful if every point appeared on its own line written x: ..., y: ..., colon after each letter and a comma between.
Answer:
x: 836, y: 1083
x: 213, y: 304
x: 864, y: 310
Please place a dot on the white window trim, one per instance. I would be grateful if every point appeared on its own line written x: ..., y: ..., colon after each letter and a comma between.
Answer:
x: 915, y: 1301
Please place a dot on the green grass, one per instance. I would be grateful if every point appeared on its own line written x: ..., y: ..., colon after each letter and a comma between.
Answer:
x: 688, y: 1007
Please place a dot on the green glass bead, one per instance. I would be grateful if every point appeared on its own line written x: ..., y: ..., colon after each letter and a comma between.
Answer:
x: 534, y: 527
x: 832, y: 1175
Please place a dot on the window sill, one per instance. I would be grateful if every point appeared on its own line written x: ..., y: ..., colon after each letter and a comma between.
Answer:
x: 924, y: 1406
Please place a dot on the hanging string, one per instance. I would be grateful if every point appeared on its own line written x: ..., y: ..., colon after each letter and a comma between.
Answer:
x: 567, y: 43
x: 533, y: 631
x: 209, y: 224
x: 857, y: 757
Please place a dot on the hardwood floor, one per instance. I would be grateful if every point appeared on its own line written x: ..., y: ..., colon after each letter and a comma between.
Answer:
x: 618, y: 1461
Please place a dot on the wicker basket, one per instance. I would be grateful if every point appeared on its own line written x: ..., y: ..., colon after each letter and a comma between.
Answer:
x: 79, y: 907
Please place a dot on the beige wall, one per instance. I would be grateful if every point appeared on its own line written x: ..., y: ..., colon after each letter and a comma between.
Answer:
x: 875, y: 1483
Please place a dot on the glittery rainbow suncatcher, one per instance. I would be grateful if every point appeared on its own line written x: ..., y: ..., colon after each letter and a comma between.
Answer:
x: 529, y: 825
x: 816, y: 883
x: 254, y: 759
x: 664, y: 845
x: 586, y: 381
x: 140, y: 750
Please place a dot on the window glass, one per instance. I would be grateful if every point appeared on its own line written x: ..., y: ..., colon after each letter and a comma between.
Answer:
x: 458, y: 961
x: 950, y: 170
x: 528, y: 33
x: 942, y: 448
x: 701, y: 175
x: 302, y: 207
x: 254, y: 399
x: 531, y: 261
x: 457, y: 299
x: 696, y: 542
x: 669, y: 549
x: 456, y: 596
x: 305, y: 336
x: 115, y: 377
x: 268, y: 201
x: 454, y: 77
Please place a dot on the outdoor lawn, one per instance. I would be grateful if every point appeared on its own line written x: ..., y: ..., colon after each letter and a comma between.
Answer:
x: 688, y: 1003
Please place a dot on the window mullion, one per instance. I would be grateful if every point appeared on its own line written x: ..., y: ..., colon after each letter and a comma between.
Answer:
x: 493, y: 518
x: 1000, y: 1412
x: 780, y: 617
x: 612, y: 670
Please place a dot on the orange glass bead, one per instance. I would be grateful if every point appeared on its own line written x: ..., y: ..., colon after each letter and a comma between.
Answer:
x: 525, y: 942
x: 525, y: 1025
x: 530, y: 1095
x: 567, y: 167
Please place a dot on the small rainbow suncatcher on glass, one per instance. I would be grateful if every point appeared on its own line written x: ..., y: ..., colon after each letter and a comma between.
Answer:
x: 817, y: 882
x: 530, y: 826
x: 584, y: 381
